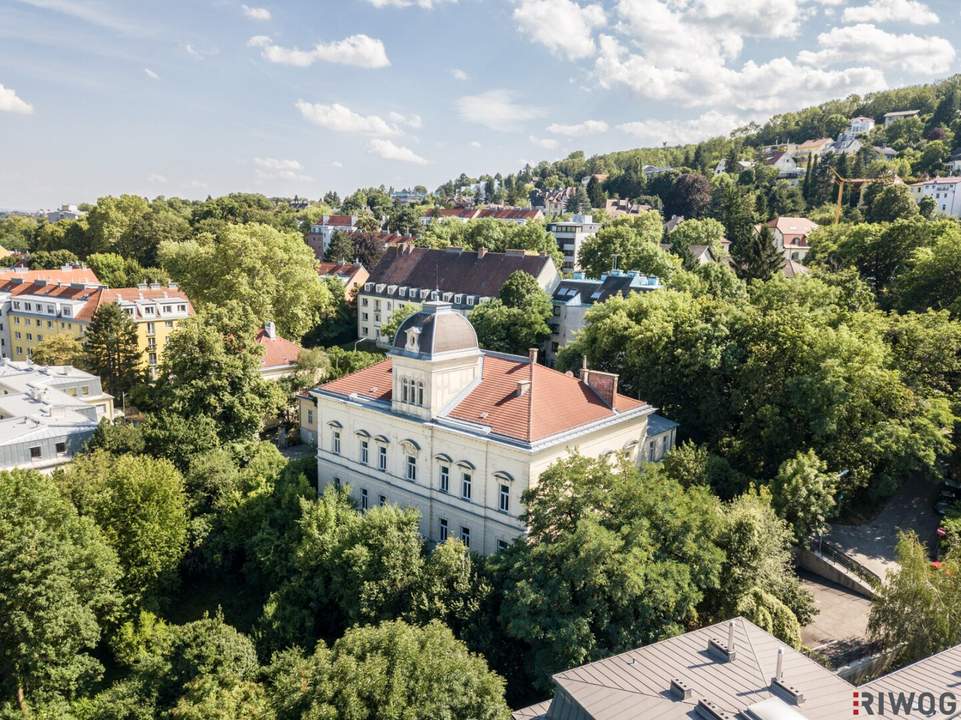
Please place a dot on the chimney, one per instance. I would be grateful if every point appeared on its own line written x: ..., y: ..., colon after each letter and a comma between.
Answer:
x: 532, y: 355
x: 481, y: 252
x: 270, y: 330
x: 779, y: 673
x: 604, y: 384
x: 523, y: 387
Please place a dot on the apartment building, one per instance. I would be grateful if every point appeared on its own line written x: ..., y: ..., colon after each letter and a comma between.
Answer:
x: 47, y: 414
x: 943, y: 190
x: 570, y: 235
x: 408, y: 274
x: 320, y: 234
x: 34, y: 306
x: 460, y: 433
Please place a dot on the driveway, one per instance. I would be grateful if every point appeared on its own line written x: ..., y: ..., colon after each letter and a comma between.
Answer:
x: 839, y: 632
x: 873, y: 543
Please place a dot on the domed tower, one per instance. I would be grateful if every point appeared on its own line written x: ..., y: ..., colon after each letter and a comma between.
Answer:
x: 436, y: 358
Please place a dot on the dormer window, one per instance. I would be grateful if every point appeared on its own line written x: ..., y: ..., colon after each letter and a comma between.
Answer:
x: 413, y: 340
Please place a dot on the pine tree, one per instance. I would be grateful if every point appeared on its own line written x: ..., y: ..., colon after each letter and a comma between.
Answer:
x: 808, y: 176
x: 755, y: 255
x: 110, y: 349
x: 596, y: 194
x: 579, y: 201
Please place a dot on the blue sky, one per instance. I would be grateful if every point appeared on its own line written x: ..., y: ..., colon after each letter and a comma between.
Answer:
x: 170, y: 97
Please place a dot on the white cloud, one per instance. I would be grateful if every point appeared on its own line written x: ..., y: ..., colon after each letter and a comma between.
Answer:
x: 546, y: 143
x: 928, y: 55
x: 339, y: 118
x: 276, y: 169
x: 474, y: 144
x: 412, y: 121
x: 562, y: 26
x: 425, y: 4
x: 497, y: 110
x: 588, y: 127
x: 357, y: 50
x: 10, y: 102
x: 337, y: 164
x: 879, y: 11
x: 459, y: 74
x: 680, y: 132
x: 256, y: 13
x: 157, y: 179
x: 388, y: 150
x: 197, y: 53
x: 777, y: 85
x: 151, y: 74
x: 757, y: 18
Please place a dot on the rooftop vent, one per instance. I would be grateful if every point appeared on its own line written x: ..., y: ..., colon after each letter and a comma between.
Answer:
x: 723, y: 650
x: 680, y: 690
x: 707, y: 710
x: 778, y: 683
x: 523, y: 387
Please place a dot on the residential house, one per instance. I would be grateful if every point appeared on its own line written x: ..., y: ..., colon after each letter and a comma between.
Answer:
x: 742, y: 165
x: 845, y: 145
x: 616, y: 207
x: 279, y: 359
x: 570, y: 234
x: 792, y: 269
x: 552, y: 202
x: 734, y: 669
x: 409, y: 274
x: 893, y: 117
x: 321, y: 233
x: 650, y: 171
x: 408, y: 197
x: 47, y: 413
x: 860, y: 125
x: 518, y: 216
x: 888, y: 153
x: 352, y: 275
x: 460, y: 433
x: 65, y: 212
x: 34, y: 307
x: 811, y: 149
x: 702, y: 254
x: 791, y: 235
x: 954, y: 165
x: 785, y: 163
x: 573, y: 298
x: 944, y: 191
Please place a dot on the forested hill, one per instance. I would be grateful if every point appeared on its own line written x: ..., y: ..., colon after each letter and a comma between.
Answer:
x: 938, y: 104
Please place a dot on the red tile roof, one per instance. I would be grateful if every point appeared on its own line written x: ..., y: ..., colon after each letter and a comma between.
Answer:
x: 338, y: 220
x: 74, y: 275
x: 555, y: 403
x: 278, y: 351
x: 345, y: 269
x: 510, y: 214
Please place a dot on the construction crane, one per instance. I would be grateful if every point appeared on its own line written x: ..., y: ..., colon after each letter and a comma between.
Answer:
x: 842, y: 181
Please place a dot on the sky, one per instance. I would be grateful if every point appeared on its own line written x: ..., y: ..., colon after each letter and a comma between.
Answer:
x: 205, y: 97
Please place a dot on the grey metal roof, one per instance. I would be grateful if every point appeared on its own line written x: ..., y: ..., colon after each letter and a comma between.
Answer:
x: 657, y: 424
x: 637, y: 684
x: 937, y: 674
x: 437, y: 329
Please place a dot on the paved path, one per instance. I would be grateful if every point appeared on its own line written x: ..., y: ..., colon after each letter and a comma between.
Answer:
x: 873, y: 543
x: 839, y: 632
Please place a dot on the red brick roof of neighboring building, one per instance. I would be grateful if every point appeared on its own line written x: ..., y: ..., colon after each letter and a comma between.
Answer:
x: 340, y: 269
x: 278, y: 351
x: 555, y: 403
x: 73, y: 275
x: 338, y: 220
x: 462, y: 213
x: 510, y: 214
x: 109, y: 295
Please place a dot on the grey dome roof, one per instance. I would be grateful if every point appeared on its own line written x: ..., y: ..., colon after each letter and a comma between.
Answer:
x: 435, y: 329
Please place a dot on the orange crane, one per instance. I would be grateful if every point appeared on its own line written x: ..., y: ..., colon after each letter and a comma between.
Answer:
x: 842, y: 181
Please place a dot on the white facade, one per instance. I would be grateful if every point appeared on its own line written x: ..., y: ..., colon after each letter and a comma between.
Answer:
x: 570, y: 234
x: 465, y: 476
x: 944, y: 192
x: 66, y: 212
x: 861, y: 125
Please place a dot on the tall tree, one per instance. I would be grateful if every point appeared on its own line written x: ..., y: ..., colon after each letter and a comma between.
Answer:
x: 690, y: 196
x: 517, y: 319
x: 596, y: 193
x: 110, y: 349
x: 58, y: 349
x: 57, y: 591
x: 754, y: 253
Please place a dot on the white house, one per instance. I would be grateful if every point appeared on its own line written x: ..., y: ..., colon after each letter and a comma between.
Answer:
x: 791, y: 236
x: 321, y: 233
x: 460, y: 433
x: 66, y: 212
x: 893, y: 117
x: 860, y: 125
x: 570, y: 234
x: 944, y: 191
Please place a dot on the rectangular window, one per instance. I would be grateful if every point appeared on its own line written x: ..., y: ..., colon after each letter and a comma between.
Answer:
x: 336, y: 442
x: 310, y: 417
x: 465, y: 536
x: 364, y: 452
x: 443, y: 529
x: 465, y: 486
x: 382, y: 458
x: 411, y: 468
x: 61, y: 448
x: 444, y: 479
x: 420, y: 394
x: 504, y: 498
x: 404, y: 397
x: 651, y: 451
x: 383, y: 500
x: 501, y: 545
x: 35, y: 452
x: 152, y: 359
x: 84, y: 389
x: 363, y: 499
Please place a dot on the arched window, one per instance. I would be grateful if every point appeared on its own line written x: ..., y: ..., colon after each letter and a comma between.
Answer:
x: 420, y: 394
x: 404, y: 396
